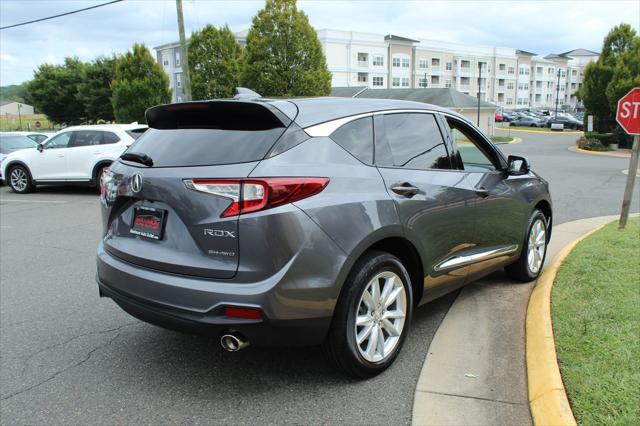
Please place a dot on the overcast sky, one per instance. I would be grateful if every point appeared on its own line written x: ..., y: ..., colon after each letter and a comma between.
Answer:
x: 537, y: 26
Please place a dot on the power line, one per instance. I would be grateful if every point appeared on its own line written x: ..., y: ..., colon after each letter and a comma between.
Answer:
x: 62, y: 14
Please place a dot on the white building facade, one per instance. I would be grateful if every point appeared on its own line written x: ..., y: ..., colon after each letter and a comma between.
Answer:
x: 507, y: 77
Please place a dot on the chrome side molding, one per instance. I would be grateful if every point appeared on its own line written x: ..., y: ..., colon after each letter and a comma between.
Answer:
x: 459, y: 261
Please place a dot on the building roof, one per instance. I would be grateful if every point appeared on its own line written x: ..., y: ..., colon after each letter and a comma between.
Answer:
x: 442, y: 97
x: 579, y: 52
x: 392, y: 37
x: 3, y: 103
x: 524, y: 52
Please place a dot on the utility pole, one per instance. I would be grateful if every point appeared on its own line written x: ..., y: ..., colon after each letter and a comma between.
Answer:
x: 479, y: 88
x: 557, y: 93
x: 425, y: 80
x: 186, y: 80
x: 19, y: 115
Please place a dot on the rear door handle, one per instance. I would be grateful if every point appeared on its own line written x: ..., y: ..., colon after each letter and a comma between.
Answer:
x: 405, y: 189
x: 482, y: 192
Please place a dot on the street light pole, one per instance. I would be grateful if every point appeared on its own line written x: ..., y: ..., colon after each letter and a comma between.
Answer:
x: 557, y: 93
x: 19, y: 115
x: 186, y: 84
x: 479, y: 80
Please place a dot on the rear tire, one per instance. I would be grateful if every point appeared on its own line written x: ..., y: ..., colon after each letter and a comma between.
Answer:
x: 19, y: 180
x: 534, y: 250
x: 372, y: 316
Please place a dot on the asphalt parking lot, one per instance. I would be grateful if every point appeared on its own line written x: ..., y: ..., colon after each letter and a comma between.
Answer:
x: 71, y: 357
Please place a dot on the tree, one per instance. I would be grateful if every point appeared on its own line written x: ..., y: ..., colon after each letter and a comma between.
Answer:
x: 215, y: 59
x: 94, y: 89
x: 139, y: 83
x: 17, y: 93
x: 606, y: 79
x: 283, y: 54
x: 54, y: 88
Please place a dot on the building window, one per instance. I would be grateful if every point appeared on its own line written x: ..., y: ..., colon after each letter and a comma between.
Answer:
x: 501, y: 82
x: 435, y: 62
x: 363, y: 77
x: 465, y: 64
x: 378, y: 81
x: 165, y: 61
x: 363, y: 57
x: 178, y: 80
x: 523, y: 71
x: 538, y: 85
x: 424, y: 63
x: 405, y: 82
x: 550, y: 71
x: 378, y: 60
x: 423, y: 82
x: 502, y: 67
x: 574, y: 73
x: 177, y: 59
x: 500, y: 97
x: 573, y: 85
x: 405, y: 62
x: 448, y: 66
x: 563, y: 73
x: 538, y: 97
x: 395, y: 62
x: 510, y: 85
x: 509, y: 101
x: 435, y: 80
x: 464, y: 81
x: 512, y: 70
x: 447, y: 84
x: 539, y: 70
x: 395, y: 82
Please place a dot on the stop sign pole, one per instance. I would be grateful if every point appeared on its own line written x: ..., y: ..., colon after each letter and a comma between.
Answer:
x: 628, y: 116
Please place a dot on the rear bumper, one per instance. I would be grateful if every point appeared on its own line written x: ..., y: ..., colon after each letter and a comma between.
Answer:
x: 293, y: 314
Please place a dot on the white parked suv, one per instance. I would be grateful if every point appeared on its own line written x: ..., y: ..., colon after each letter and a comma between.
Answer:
x: 76, y: 155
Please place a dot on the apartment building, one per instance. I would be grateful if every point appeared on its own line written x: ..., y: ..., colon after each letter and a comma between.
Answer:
x: 508, y: 77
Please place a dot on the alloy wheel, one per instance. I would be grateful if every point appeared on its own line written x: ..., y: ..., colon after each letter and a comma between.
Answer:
x: 19, y: 179
x: 537, y: 246
x: 381, y: 316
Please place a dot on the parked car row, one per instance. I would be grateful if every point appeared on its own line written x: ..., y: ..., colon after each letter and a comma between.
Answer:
x: 541, y: 118
x: 76, y: 155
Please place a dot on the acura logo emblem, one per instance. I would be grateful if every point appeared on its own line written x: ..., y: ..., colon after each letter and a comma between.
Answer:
x: 136, y: 182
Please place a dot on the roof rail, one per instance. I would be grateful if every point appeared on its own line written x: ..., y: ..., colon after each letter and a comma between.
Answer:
x: 244, y: 93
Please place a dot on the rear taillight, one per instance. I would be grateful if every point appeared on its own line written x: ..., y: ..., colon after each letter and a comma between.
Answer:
x: 103, y: 180
x: 251, y: 195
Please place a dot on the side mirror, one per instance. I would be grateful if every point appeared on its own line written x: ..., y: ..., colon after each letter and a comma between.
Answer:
x: 40, y: 147
x: 517, y: 165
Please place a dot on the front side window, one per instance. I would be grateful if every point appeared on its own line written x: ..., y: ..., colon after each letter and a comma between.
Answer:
x: 411, y: 141
x: 472, y: 152
x: 85, y: 138
x: 357, y: 138
x: 59, y: 141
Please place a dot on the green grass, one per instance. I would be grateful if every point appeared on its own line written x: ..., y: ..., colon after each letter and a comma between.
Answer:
x: 501, y: 139
x: 11, y: 123
x: 596, y: 321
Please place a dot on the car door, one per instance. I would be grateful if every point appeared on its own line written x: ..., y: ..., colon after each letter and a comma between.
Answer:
x: 433, y: 199
x: 500, y: 210
x: 84, y: 146
x: 51, y: 163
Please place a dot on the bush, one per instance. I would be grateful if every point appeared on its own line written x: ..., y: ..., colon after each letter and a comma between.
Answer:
x: 592, y: 144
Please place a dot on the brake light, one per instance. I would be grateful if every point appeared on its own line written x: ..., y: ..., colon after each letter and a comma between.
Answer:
x: 251, y: 195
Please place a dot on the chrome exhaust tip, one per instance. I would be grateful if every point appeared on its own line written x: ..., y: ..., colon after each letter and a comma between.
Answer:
x: 233, y: 342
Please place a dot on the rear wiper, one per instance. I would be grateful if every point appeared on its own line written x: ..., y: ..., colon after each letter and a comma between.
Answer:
x: 137, y: 157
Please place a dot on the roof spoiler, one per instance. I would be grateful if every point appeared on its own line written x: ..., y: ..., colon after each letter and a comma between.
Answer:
x: 223, y: 114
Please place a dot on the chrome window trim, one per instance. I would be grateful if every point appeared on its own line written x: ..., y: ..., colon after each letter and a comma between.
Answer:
x: 459, y: 261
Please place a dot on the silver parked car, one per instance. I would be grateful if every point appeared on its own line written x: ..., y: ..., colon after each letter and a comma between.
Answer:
x: 312, y: 221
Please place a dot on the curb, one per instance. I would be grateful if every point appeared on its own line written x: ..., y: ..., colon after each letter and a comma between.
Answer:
x: 547, y: 396
x: 613, y: 154
x: 513, y: 140
x: 544, y: 132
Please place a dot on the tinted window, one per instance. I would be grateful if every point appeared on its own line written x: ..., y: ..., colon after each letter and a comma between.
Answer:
x: 85, y: 138
x: 59, y: 141
x: 412, y: 141
x: 471, y: 148
x: 108, y: 137
x: 37, y: 138
x: 136, y: 133
x: 12, y: 143
x: 357, y: 138
x: 202, y: 147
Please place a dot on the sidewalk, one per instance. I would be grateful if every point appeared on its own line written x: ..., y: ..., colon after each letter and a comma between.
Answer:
x: 475, y: 371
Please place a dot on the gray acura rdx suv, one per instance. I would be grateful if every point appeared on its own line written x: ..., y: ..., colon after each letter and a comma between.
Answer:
x: 312, y: 221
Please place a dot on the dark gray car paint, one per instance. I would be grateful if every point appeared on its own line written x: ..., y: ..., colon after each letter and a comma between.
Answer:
x: 293, y: 260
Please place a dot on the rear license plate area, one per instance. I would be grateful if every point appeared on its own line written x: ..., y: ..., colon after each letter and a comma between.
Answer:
x: 148, y: 222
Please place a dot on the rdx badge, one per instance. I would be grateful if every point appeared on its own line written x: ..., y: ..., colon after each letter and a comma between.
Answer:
x: 219, y: 233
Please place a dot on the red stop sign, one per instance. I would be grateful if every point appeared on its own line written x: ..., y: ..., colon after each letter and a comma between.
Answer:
x: 38, y: 124
x: 628, y: 115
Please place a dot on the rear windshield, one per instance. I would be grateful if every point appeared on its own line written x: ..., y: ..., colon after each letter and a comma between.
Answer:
x: 13, y: 143
x: 205, y: 147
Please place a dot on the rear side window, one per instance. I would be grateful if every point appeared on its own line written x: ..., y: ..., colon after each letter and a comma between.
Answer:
x: 85, y: 138
x: 357, y: 138
x: 109, y: 138
x: 205, y: 147
x: 411, y: 141
x: 136, y: 133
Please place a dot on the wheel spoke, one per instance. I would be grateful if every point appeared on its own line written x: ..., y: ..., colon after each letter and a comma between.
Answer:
x: 363, y: 320
x: 372, y: 344
x: 368, y: 300
x: 366, y: 332
x: 397, y: 314
x: 393, y: 296
x: 391, y: 329
x: 389, y: 284
x: 375, y: 291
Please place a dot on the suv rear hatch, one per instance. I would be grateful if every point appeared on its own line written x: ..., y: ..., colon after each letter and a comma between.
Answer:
x: 170, y: 202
